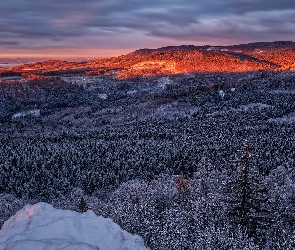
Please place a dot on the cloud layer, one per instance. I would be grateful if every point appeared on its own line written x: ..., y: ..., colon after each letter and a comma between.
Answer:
x: 34, y: 25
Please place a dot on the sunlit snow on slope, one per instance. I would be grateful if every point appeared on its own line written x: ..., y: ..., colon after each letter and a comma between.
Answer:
x: 41, y: 226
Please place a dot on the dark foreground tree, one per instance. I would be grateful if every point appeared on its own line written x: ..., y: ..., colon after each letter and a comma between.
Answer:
x: 82, y: 205
x: 247, y: 195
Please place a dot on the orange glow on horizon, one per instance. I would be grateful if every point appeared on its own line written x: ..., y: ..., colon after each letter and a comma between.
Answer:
x: 67, y: 54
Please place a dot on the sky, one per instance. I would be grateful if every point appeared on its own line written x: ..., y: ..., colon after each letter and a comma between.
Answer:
x: 104, y: 28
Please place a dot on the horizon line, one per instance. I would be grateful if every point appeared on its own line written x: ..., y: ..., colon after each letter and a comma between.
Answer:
x: 79, y: 53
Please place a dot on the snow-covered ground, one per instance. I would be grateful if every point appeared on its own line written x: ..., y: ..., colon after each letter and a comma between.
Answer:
x: 41, y: 226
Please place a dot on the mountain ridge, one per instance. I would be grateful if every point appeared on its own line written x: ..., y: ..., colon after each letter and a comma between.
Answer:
x: 278, y: 55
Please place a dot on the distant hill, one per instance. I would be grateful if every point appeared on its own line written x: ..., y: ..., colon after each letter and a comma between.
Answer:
x: 279, y: 55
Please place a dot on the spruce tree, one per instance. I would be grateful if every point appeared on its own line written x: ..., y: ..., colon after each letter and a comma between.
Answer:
x: 82, y: 205
x: 247, y: 195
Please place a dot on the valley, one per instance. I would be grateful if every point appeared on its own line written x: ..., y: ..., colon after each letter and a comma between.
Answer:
x: 123, y: 133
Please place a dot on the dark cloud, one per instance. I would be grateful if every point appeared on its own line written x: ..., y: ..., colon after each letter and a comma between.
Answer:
x: 9, y: 43
x: 134, y: 23
x: 245, y: 6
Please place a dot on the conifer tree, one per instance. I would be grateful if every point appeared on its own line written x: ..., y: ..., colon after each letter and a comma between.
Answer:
x: 82, y: 205
x: 247, y: 195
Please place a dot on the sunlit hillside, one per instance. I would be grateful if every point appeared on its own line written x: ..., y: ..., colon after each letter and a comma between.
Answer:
x: 171, y: 60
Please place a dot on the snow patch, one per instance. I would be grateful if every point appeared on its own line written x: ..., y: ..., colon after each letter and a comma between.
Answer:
x: 87, y: 82
x: 285, y: 119
x: 253, y: 105
x: 175, y: 110
x: 34, y: 112
x: 245, y: 108
x: 41, y: 226
x: 131, y: 92
x: 282, y: 91
x: 163, y: 81
x: 103, y: 96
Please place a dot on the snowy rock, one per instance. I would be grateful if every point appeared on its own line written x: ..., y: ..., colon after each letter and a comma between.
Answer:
x: 41, y: 226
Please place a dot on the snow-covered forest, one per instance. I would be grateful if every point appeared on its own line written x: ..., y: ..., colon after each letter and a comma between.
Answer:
x: 193, y: 161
